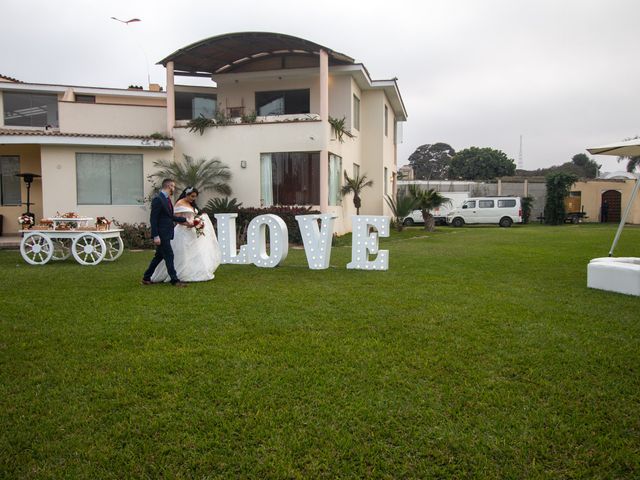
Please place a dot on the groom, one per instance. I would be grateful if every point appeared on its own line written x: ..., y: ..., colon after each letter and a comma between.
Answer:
x: 162, y: 221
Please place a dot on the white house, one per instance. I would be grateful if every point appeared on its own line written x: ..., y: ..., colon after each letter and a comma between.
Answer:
x: 94, y: 147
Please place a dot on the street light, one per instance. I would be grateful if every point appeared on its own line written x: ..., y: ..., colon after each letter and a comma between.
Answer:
x: 28, y: 179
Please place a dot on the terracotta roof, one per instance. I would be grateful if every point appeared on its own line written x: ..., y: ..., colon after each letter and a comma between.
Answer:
x: 11, y: 79
x: 56, y: 133
x: 223, y: 53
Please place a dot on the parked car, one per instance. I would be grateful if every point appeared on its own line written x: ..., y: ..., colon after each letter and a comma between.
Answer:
x: 440, y: 214
x: 503, y: 211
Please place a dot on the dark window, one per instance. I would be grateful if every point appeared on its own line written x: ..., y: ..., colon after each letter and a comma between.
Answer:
x: 296, y: 178
x: 485, y: 203
x: 282, y: 102
x: 193, y: 105
x: 386, y: 121
x: 30, y: 109
x: 356, y: 113
x: 506, y: 203
x: 10, y: 193
x: 85, y: 99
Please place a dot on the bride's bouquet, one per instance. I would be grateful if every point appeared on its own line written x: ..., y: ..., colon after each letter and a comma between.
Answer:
x: 198, y: 225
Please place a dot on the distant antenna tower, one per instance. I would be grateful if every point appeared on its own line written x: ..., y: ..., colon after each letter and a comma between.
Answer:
x: 520, y: 161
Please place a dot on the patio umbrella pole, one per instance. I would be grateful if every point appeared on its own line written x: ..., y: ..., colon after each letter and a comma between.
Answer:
x: 624, y: 216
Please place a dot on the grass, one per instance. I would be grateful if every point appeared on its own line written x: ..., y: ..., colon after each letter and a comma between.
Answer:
x: 480, y: 353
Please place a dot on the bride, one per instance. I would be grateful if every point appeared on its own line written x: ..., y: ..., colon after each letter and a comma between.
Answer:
x: 196, y: 250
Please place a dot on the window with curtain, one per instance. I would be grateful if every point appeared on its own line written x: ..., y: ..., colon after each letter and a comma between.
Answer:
x: 10, y: 190
x: 290, y: 178
x: 356, y: 112
x: 109, y: 179
x: 25, y: 109
x: 335, y: 180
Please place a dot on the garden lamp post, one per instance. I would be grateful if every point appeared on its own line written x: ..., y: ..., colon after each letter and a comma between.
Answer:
x: 28, y: 180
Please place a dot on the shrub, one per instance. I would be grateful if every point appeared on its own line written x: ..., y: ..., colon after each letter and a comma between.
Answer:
x: 526, y: 203
x: 287, y: 214
x: 135, y: 235
x: 222, y: 205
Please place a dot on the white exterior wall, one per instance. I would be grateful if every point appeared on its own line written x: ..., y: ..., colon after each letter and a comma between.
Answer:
x: 234, y: 143
x: 59, y: 191
x: 109, y: 119
x: 372, y: 132
x: 239, y: 90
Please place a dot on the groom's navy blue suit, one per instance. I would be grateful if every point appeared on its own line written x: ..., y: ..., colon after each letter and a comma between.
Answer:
x: 162, y: 223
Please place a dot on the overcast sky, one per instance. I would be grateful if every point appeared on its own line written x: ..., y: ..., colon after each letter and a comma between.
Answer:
x: 564, y: 74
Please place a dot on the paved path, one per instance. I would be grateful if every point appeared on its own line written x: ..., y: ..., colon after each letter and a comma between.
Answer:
x: 10, y: 242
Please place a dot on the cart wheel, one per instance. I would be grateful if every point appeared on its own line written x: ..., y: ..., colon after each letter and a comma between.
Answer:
x: 61, y: 249
x: 115, y: 247
x: 36, y: 248
x: 88, y: 249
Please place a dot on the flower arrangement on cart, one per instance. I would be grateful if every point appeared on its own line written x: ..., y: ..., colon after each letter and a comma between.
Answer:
x: 67, y: 234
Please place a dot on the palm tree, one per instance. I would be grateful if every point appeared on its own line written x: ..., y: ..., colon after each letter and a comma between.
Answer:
x: 632, y: 163
x: 427, y: 200
x: 401, y: 207
x: 355, y: 185
x: 202, y: 174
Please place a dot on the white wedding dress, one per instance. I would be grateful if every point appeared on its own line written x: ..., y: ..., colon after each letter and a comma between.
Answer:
x: 195, y: 257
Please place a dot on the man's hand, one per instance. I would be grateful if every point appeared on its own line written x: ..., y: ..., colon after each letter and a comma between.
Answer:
x: 156, y: 240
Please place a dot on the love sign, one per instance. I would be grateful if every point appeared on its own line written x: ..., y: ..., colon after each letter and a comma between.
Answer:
x: 317, y: 233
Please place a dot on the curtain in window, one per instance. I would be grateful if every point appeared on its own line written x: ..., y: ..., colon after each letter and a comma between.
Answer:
x: 266, y: 179
x: 335, y: 168
x: 10, y: 187
x: 126, y: 179
x: 109, y: 179
x: 93, y: 178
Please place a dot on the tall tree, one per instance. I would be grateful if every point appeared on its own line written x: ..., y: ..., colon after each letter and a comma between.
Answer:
x: 558, y: 187
x: 431, y: 161
x: 427, y: 200
x: 590, y: 168
x: 480, y: 164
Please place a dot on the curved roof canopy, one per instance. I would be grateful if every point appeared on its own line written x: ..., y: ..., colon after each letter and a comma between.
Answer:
x: 235, y: 51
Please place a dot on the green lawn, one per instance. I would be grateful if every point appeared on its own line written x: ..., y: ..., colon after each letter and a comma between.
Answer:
x: 480, y: 353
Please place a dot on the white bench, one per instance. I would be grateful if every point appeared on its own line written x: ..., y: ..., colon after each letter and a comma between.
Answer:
x: 621, y: 274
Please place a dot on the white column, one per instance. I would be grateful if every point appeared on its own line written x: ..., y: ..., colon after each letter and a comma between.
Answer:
x: 324, y: 118
x: 324, y: 86
x: 171, y: 100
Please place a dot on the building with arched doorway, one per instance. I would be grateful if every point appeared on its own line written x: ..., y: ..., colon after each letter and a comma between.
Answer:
x: 604, y: 200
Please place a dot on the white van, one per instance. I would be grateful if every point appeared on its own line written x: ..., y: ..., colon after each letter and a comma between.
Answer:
x: 501, y: 210
x: 439, y: 214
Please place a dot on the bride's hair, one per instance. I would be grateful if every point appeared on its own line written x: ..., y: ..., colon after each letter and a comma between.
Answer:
x: 188, y: 191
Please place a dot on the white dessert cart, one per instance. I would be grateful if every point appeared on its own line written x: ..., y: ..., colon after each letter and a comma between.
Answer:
x: 71, y: 236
